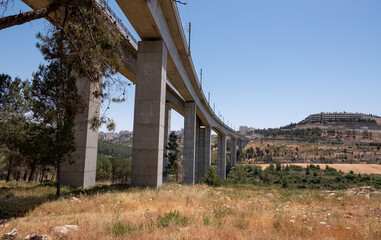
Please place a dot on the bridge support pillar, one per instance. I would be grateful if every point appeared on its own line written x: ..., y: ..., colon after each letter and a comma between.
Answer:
x: 82, y: 172
x: 189, y: 151
x: 167, y: 132
x: 207, y: 160
x: 200, y: 153
x: 221, y: 156
x: 240, y: 146
x: 149, y: 114
x: 203, y: 155
x: 233, y: 159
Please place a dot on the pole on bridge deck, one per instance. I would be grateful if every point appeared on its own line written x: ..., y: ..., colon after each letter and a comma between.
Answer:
x: 189, y: 38
x: 201, y: 78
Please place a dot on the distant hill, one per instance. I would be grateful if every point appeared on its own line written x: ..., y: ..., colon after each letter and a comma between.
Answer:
x: 334, y: 128
x: 339, y: 117
x: 358, y: 123
x: 109, y: 148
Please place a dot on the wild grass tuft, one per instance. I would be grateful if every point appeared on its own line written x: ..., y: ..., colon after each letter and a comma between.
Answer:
x: 172, y: 218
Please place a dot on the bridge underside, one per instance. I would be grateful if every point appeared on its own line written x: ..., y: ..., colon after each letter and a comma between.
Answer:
x: 161, y: 55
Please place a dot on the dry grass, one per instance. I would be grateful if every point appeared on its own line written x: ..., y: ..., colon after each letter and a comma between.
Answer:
x: 356, y: 168
x: 243, y: 212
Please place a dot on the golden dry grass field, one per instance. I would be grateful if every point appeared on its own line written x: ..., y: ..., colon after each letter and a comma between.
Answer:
x: 356, y: 168
x: 201, y: 212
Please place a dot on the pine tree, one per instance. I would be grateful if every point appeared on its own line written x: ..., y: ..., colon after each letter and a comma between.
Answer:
x: 173, y: 156
x: 308, y: 170
x: 55, y: 98
x: 212, y: 178
x: 14, y: 106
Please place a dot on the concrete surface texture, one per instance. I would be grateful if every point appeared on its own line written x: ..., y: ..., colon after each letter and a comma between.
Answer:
x: 148, y: 141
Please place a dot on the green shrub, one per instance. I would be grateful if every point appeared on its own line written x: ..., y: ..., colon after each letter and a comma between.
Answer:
x: 172, y: 218
x: 120, y: 229
x: 212, y: 178
x: 239, y: 174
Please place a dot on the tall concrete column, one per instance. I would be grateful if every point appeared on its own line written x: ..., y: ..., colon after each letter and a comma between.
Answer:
x: 207, y: 155
x: 240, y: 145
x: 167, y: 132
x: 221, y: 156
x: 201, y: 153
x: 189, y: 151
x: 233, y: 151
x: 196, y: 157
x: 82, y: 172
x: 149, y: 114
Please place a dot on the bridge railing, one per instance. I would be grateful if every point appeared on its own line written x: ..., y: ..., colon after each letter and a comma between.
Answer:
x: 108, y: 10
x: 124, y: 30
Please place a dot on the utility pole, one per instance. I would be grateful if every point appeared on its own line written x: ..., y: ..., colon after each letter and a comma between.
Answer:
x: 201, y: 78
x: 209, y: 97
x: 189, y: 36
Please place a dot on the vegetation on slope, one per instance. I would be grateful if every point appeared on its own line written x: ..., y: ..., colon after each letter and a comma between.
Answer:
x: 113, y: 149
x: 292, y: 176
x: 288, y: 151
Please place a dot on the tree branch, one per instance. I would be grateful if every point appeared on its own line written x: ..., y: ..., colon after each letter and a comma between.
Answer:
x: 18, y: 19
x: 180, y: 2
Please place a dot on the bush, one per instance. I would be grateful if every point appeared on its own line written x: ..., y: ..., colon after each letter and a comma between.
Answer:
x: 239, y: 175
x: 172, y: 218
x: 120, y: 229
x: 212, y: 178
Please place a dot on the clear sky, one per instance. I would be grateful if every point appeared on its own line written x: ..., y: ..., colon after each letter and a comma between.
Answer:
x: 266, y: 62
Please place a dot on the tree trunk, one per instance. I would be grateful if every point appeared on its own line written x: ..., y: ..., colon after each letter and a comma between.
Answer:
x: 9, y: 169
x: 42, y: 175
x: 25, y: 175
x: 22, y: 18
x: 58, y: 194
x: 31, y: 173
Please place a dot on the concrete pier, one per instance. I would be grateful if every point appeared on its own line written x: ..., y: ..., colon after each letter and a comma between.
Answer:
x: 200, y: 154
x: 167, y: 132
x: 221, y: 156
x: 233, y: 151
x: 240, y: 146
x: 149, y: 114
x: 189, y: 151
x: 203, y: 160
x: 207, y: 149
x: 82, y: 172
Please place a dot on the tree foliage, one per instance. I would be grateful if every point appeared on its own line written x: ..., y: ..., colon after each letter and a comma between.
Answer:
x: 14, y: 106
x: 39, y: 119
x: 212, y: 178
x: 174, y: 164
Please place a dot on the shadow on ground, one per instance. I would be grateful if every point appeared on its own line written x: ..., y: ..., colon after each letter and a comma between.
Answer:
x: 17, y: 201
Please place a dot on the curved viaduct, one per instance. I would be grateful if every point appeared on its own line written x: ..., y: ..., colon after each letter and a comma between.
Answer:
x: 162, y: 69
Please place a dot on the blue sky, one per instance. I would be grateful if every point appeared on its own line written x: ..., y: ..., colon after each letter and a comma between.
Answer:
x: 266, y: 63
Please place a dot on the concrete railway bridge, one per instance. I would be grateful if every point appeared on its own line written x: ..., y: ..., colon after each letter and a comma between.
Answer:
x: 162, y: 68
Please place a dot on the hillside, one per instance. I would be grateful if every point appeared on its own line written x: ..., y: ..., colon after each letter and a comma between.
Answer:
x: 332, y: 128
x: 110, y: 148
x: 260, y: 151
